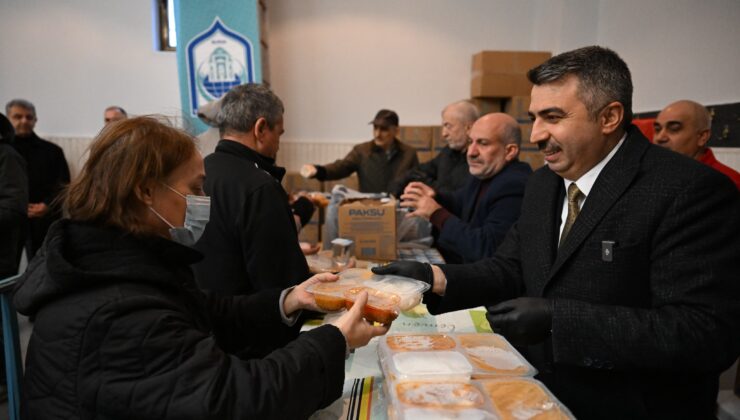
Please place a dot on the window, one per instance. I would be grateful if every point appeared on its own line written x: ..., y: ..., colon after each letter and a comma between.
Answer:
x: 166, y: 25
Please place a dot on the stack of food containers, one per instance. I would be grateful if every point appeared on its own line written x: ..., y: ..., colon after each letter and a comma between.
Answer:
x: 387, y: 295
x: 465, y: 376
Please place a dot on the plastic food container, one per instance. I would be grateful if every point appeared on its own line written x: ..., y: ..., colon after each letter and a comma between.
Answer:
x: 430, y: 365
x: 491, y: 355
x: 439, y: 400
x: 381, y: 306
x: 329, y: 296
x: 409, y: 290
x: 523, y: 398
x: 419, y: 342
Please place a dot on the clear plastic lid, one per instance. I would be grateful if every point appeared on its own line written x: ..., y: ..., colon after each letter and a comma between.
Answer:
x: 408, y: 289
x: 381, y: 306
x: 419, y: 342
x: 523, y: 398
x: 329, y: 296
x: 439, y: 400
x: 430, y: 365
x: 492, y: 355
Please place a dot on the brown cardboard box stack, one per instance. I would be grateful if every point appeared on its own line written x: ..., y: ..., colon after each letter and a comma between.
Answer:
x: 371, y: 224
x: 499, y: 84
x: 421, y: 137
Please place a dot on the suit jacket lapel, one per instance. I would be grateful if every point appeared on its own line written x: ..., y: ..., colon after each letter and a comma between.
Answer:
x: 614, y: 179
x: 546, y: 201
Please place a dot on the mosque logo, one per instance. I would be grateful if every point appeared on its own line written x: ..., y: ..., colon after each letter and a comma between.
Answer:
x: 217, y: 60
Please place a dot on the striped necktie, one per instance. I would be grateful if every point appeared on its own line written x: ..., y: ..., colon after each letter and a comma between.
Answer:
x: 574, y: 194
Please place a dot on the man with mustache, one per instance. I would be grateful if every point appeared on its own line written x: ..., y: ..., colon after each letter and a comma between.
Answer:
x: 473, y: 220
x: 685, y: 127
x: 378, y: 162
x: 619, y: 280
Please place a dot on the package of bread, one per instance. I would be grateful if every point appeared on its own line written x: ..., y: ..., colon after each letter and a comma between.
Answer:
x: 523, y: 398
x: 419, y: 342
x: 492, y: 355
x: 381, y: 307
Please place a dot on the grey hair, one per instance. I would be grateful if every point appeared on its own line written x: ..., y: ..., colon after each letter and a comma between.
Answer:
x: 465, y: 111
x: 22, y: 103
x: 603, y: 77
x: 243, y: 105
x: 116, y: 108
x: 512, y: 134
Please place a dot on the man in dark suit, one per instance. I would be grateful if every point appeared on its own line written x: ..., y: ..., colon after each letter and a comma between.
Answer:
x: 472, y: 221
x: 624, y: 293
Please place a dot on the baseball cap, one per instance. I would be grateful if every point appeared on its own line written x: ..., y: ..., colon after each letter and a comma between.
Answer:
x: 385, y: 118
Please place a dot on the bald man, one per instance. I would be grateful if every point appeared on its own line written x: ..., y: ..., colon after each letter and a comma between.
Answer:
x: 685, y: 127
x: 114, y: 113
x: 448, y: 171
x: 471, y: 222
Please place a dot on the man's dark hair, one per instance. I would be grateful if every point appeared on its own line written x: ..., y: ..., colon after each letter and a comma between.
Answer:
x: 243, y: 105
x: 117, y: 108
x: 603, y: 77
x: 21, y: 103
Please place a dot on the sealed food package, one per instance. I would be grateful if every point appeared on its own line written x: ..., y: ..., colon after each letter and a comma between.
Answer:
x: 419, y: 342
x: 430, y: 365
x: 329, y: 296
x: 439, y: 400
x: 321, y: 263
x: 356, y: 274
x: 523, y: 398
x: 409, y: 290
x: 492, y: 355
x: 381, y: 306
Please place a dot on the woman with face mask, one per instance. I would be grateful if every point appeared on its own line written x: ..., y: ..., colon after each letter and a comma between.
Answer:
x: 121, y: 329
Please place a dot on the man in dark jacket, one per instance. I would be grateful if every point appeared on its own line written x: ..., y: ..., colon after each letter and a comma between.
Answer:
x: 251, y: 241
x: 448, y: 171
x: 47, y: 172
x: 13, y: 202
x: 622, y: 292
x: 471, y: 222
x: 378, y: 162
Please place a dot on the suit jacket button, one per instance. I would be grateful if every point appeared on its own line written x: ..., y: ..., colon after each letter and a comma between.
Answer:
x: 587, y: 361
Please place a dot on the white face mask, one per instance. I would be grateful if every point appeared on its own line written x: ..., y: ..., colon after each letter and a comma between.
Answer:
x: 197, y: 213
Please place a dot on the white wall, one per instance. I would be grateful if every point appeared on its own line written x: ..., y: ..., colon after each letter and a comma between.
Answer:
x: 336, y: 62
x: 73, y: 58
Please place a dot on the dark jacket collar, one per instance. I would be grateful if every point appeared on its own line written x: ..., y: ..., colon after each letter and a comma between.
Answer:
x: 263, y: 162
x: 395, y: 147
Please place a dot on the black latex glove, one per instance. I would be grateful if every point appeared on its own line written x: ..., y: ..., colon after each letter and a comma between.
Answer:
x: 523, y: 321
x: 413, y: 269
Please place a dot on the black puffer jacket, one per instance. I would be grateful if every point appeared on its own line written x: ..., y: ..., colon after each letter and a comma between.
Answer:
x: 122, y: 332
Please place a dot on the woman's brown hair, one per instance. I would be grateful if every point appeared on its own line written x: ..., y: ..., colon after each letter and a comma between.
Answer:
x: 123, y: 157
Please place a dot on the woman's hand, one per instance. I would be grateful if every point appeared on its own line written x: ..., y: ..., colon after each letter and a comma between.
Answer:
x: 299, y: 298
x: 355, y: 329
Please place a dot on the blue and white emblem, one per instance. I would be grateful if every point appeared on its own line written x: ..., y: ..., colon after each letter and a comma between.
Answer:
x: 217, y: 59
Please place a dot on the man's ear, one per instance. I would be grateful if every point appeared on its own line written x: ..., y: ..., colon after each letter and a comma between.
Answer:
x: 704, y: 136
x: 611, y: 117
x: 512, y: 151
x: 145, y: 192
x: 259, y: 127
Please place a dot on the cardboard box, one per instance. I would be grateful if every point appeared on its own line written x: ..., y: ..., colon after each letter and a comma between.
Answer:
x: 419, y: 137
x: 515, y: 62
x: 488, y: 105
x: 310, y: 233
x: 349, y: 182
x: 518, y: 107
x: 499, y: 85
x: 371, y: 224
x: 437, y: 141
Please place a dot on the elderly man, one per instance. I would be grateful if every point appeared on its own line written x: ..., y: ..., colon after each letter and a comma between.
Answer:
x: 250, y: 242
x: 619, y: 280
x: 46, y: 168
x: 472, y: 221
x: 378, y: 162
x: 448, y: 171
x: 114, y: 113
x: 685, y: 127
